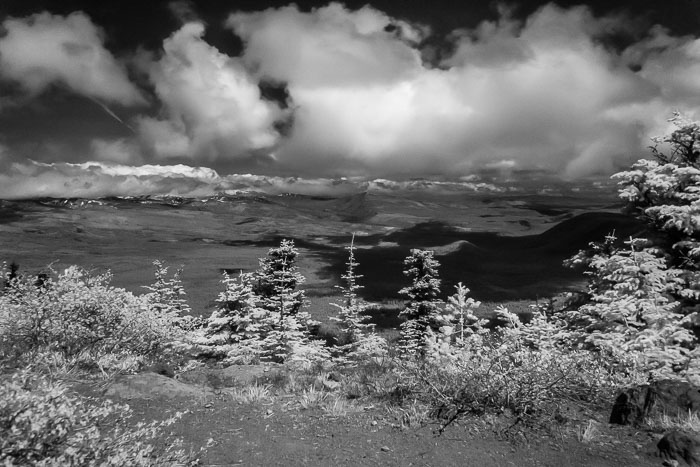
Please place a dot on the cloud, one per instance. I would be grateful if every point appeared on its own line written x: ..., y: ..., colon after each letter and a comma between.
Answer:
x: 93, y: 179
x: 212, y: 108
x: 292, y: 185
x: 120, y: 151
x: 45, y: 49
x: 672, y: 63
x: 26, y: 180
x: 330, y: 46
x: 545, y: 93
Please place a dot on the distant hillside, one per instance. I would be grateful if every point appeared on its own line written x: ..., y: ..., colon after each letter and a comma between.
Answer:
x: 488, y: 243
x: 494, y: 267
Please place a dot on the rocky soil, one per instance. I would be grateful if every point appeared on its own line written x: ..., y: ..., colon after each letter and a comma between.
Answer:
x: 282, y: 428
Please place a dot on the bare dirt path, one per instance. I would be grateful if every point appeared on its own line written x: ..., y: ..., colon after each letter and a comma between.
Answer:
x: 279, y: 432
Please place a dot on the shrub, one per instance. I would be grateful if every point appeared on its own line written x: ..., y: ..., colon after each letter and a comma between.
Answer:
x: 460, y: 315
x: 75, y: 312
x: 521, y: 368
x: 42, y: 424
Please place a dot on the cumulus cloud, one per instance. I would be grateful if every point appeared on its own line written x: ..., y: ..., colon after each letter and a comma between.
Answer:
x: 212, y: 108
x: 545, y: 93
x: 330, y: 46
x: 45, y: 49
x: 93, y: 179
x: 31, y: 179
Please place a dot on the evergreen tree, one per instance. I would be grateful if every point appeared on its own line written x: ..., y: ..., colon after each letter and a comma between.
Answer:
x: 277, y: 281
x: 422, y: 312
x: 645, y: 295
x: 259, y: 317
x: 358, y: 338
x: 665, y: 193
x: 350, y: 317
x: 288, y: 334
x: 236, y: 329
x: 168, y: 294
x: 631, y: 309
x: 461, y: 315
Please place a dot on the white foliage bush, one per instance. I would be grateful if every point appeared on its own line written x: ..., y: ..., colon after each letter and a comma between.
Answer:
x: 74, y: 312
x: 42, y: 424
x: 460, y: 315
x: 522, y: 367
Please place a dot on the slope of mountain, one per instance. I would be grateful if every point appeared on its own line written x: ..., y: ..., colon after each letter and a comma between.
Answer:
x: 504, y: 246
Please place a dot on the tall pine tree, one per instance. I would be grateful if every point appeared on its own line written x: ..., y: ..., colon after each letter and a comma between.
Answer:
x: 277, y: 281
x: 645, y: 295
x: 422, y: 313
x: 358, y: 338
x: 350, y: 318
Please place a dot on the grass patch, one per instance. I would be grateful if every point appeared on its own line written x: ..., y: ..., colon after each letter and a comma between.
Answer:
x: 689, y: 421
x: 251, y: 394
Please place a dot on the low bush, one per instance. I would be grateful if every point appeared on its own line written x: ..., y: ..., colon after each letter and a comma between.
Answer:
x: 522, y: 368
x: 42, y: 424
x: 76, y: 315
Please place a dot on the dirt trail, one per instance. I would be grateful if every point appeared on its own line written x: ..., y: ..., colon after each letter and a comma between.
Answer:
x: 280, y: 433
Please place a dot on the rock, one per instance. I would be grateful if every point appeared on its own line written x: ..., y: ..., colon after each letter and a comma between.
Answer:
x: 677, y: 445
x: 154, y: 386
x: 164, y: 369
x: 634, y: 405
x: 234, y: 375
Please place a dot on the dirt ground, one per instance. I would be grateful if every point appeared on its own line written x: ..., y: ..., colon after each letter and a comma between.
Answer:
x: 273, y: 436
x: 281, y: 430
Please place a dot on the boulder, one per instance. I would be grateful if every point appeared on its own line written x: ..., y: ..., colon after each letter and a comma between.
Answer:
x: 164, y: 369
x: 154, y: 386
x: 234, y: 375
x: 676, y: 446
x: 669, y: 397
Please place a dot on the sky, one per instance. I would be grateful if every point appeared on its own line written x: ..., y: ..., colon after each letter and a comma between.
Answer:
x: 124, y: 97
